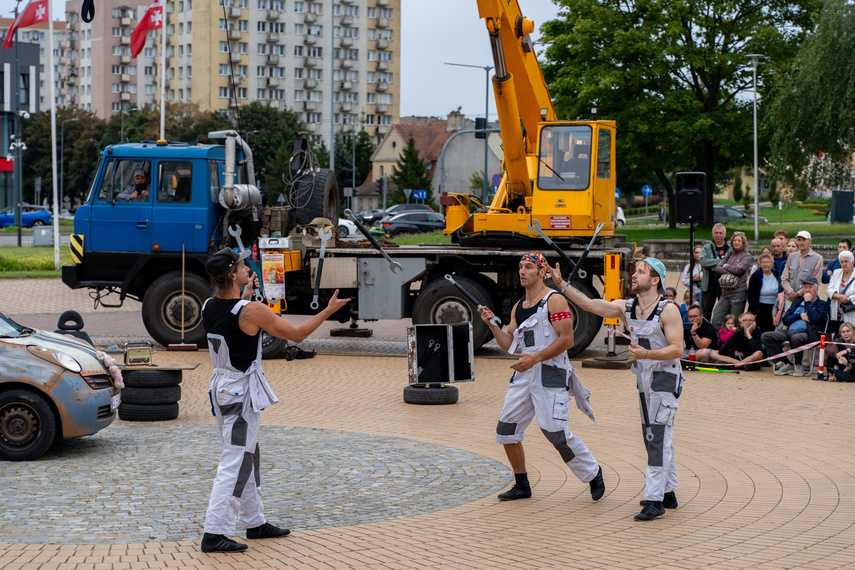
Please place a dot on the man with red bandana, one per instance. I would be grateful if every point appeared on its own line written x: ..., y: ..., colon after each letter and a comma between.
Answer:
x: 540, y: 332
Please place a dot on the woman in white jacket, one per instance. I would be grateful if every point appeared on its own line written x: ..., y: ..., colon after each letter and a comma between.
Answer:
x: 697, y: 275
x: 841, y: 292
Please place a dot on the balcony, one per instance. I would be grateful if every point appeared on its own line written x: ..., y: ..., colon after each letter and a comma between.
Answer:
x: 310, y: 18
x: 125, y: 78
x: 382, y: 129
x: 382, y: 22
x: 346, y: 42
x: 71, y: 80
x: 234, y: 12
x: 234, y: 35
x: 272, y: 59
x: 235, y: 80
x: 310, y: 83
x: 382, y: 65
x: 233, y: 104
x: 346, y: 108
x: 310, y: 40
x: 124, y: 21
x: 273, y: 37
x: 381, y: 108
x: 312, y: 127
x: 382, y: 2
x: 347, y: 20
x: 382, y: 86
x: 310, y: 62
x: 273, y: 82
x: 310, y: 105
x: 346, y: 85
x: 234, y: 57
x: 382, y: 44
x: 124, y: 96
x: 273, y: 14
x: 125, y: 59
x: 125, y: 41
x: 346, y: 63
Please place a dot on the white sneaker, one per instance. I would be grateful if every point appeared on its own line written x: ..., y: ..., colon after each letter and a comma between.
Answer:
x: 784, y: 369
x: 799, y: 370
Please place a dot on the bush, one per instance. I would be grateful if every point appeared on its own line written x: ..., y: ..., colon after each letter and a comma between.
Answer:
x: 737, y: 186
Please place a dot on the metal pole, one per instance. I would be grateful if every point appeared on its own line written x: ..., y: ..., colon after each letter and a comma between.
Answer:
x: 754, y: 58
x: 353, y: 169
x: 18, y: 166
x: 332, y: 88
x: 122, y: 119
x: 62, y: 157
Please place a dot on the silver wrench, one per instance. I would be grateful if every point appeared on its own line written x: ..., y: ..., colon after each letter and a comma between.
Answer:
x: 495, y: 320
x: 393, y: 265
x: 645, y: 416
x: 325, y: 235
x: 236, y: 234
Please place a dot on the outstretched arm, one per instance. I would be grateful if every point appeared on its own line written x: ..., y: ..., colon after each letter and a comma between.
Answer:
x: 257, y: 316
x: 613, y: 310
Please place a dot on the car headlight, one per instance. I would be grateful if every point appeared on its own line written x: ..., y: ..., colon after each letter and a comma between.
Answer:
x: 55, y: 357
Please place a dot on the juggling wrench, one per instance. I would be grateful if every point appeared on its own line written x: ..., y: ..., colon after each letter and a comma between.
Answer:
x: 393, y: 265
x: 571, y: 265
x: 325, y: 235
x: 645, y: 417
x: 235, y: 233
x: 495, y: 320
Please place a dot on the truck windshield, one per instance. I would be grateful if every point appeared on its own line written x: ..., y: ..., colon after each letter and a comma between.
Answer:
x: 565, y: 158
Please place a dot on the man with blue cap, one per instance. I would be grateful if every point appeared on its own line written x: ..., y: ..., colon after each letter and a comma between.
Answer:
x: 656, y: 329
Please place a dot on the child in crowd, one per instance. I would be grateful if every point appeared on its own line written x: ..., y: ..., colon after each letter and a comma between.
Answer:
x: 728, y: 326
x: 684, y: 310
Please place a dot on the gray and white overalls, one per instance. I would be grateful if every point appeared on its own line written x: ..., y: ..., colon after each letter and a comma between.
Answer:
x: 661, y: 382
x: 545, y: 390
x: 237, y: 399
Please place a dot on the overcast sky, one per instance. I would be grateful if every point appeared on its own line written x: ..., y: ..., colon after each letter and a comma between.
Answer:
x: 433, y: 32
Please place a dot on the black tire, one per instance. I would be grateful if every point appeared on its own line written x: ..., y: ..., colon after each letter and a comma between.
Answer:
x: 585, y: 325
x: 149, y: 396
x: 147, y: 413
x: 161, y: 310
x: 426, y: 395
x: 342, y: 232
x: 317, y: 197
x: 271, y: 346
x: 27, y: 425
x: 439, y: 302
x: 151, y: 378
x: 37, y: 223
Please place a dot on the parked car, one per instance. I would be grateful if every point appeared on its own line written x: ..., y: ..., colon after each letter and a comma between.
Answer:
x: 370, y: 217
x: 401, y: 208
x: 412, y: 223
x: 52, y: 386
x: 30, y: 216
x: 726, y: 214
x: 346, y: 228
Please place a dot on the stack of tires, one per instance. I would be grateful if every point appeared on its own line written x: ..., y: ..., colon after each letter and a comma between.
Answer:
x: 150, y: 395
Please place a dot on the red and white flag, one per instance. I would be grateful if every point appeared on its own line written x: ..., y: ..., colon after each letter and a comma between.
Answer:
x: 34, y: 13
x: 152, y: 20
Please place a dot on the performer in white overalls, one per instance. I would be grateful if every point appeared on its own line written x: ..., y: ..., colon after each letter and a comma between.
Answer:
x: 657, y: 344
x: 541, y: 332
x: 238, y: 392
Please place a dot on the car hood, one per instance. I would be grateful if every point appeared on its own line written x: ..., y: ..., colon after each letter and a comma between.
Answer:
x: 79, y: 350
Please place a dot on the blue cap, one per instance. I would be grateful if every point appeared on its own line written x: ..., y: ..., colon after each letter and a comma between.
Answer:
x: 659, y: 268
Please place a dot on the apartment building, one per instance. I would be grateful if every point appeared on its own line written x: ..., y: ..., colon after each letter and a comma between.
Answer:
x: 34, y: 39
x: 335, y: 62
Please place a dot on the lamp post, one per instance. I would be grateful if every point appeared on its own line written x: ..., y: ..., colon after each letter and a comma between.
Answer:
x: 486, y: 69
x: 62, y: 156
x: 754, y: 60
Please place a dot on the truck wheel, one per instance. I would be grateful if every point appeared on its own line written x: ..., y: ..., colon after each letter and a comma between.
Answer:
x: 151, y: 378
x: 316, y: 196
x: 161, y: 310
x: 148, y: 396
x: 430, y: 396
x: 271, y: 346
x: 441, y: 303
x: 585, y: 325
x: 147, y: 413
x: 27, y: 425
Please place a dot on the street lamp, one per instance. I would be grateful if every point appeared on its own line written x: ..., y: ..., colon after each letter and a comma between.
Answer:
x: 755, y: 58
x: 486, y: 69
x: 62, y: 156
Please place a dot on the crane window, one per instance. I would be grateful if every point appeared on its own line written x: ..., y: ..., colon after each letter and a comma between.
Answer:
x: 604, y: 154
x: 565, y: 158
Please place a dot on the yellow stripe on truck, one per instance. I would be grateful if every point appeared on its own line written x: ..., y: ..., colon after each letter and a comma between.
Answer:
x: 76, y: 246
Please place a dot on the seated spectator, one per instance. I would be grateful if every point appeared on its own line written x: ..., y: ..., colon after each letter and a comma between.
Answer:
x: 702, y: 334
x: 728, y: 327
x: 839, y: 359
x: 742, y: 348
x: 842, y: 245
x: 805, y: 316
x: 841, y: 292
x: 766, y: 295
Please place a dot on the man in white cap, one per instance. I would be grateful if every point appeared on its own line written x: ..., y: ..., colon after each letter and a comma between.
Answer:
x: 136, y: 192
x: 802, y: 264
x: 657, y: 345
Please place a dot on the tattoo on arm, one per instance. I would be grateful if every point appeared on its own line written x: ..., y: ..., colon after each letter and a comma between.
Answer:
x: 243, y: 316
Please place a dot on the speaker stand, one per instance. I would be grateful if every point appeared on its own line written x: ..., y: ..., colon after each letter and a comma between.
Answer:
x: 692, y: 262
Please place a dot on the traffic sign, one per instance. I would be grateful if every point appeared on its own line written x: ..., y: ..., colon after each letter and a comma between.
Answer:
x: 497, y: 179
x: 617, y: 193
x: 646, y: 190
x: 419, y: 194
x: 407, y: 193
x: 495, y: 188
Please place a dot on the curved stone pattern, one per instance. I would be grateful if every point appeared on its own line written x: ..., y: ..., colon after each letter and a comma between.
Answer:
x: 150, y: 483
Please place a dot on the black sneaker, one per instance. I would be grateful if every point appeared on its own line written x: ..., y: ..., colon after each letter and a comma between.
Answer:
x: 266, y: 530
x: 669, y: 501
x: 598, y: 486
x: 516, y: 492
x: 220, y: 543
x: 650, y: 511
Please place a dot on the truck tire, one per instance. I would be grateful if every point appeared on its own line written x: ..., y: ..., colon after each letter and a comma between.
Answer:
x: 316, y: 196
x: 439, y: 302
x: 161, y: 310
x: 149, y: 396
x: 585, y: 325
x: 147, y: 413
x: 27, y: 425
x: 271, y: 346
x: 427, y: 395
x: 151, y: 378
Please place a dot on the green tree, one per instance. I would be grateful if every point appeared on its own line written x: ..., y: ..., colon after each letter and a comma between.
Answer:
x: 476, y: 182
x: 344, y: 150
x: 410, y: 172
x: 772, y: 194
x: 266, y: 129
x: 674, y: 75
x: 811, y: 117
x: 737, y: 186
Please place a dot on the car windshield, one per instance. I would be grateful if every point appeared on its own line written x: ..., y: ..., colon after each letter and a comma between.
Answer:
x: 9, y: 328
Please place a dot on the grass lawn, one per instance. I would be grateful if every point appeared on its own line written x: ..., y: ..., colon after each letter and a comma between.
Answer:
x: 64, y: 226
x: 31, y: 262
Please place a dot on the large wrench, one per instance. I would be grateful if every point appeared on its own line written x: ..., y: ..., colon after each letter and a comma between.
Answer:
x: 570, y: 263
x: 235, y: 233
x: 495, y: 320
x: 325, y: 235
x: 645, y: 416
x: 393, y: 265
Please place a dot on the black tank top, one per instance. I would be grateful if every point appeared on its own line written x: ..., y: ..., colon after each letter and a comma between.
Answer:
x: 522, y: 314
x: 217, y: 318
